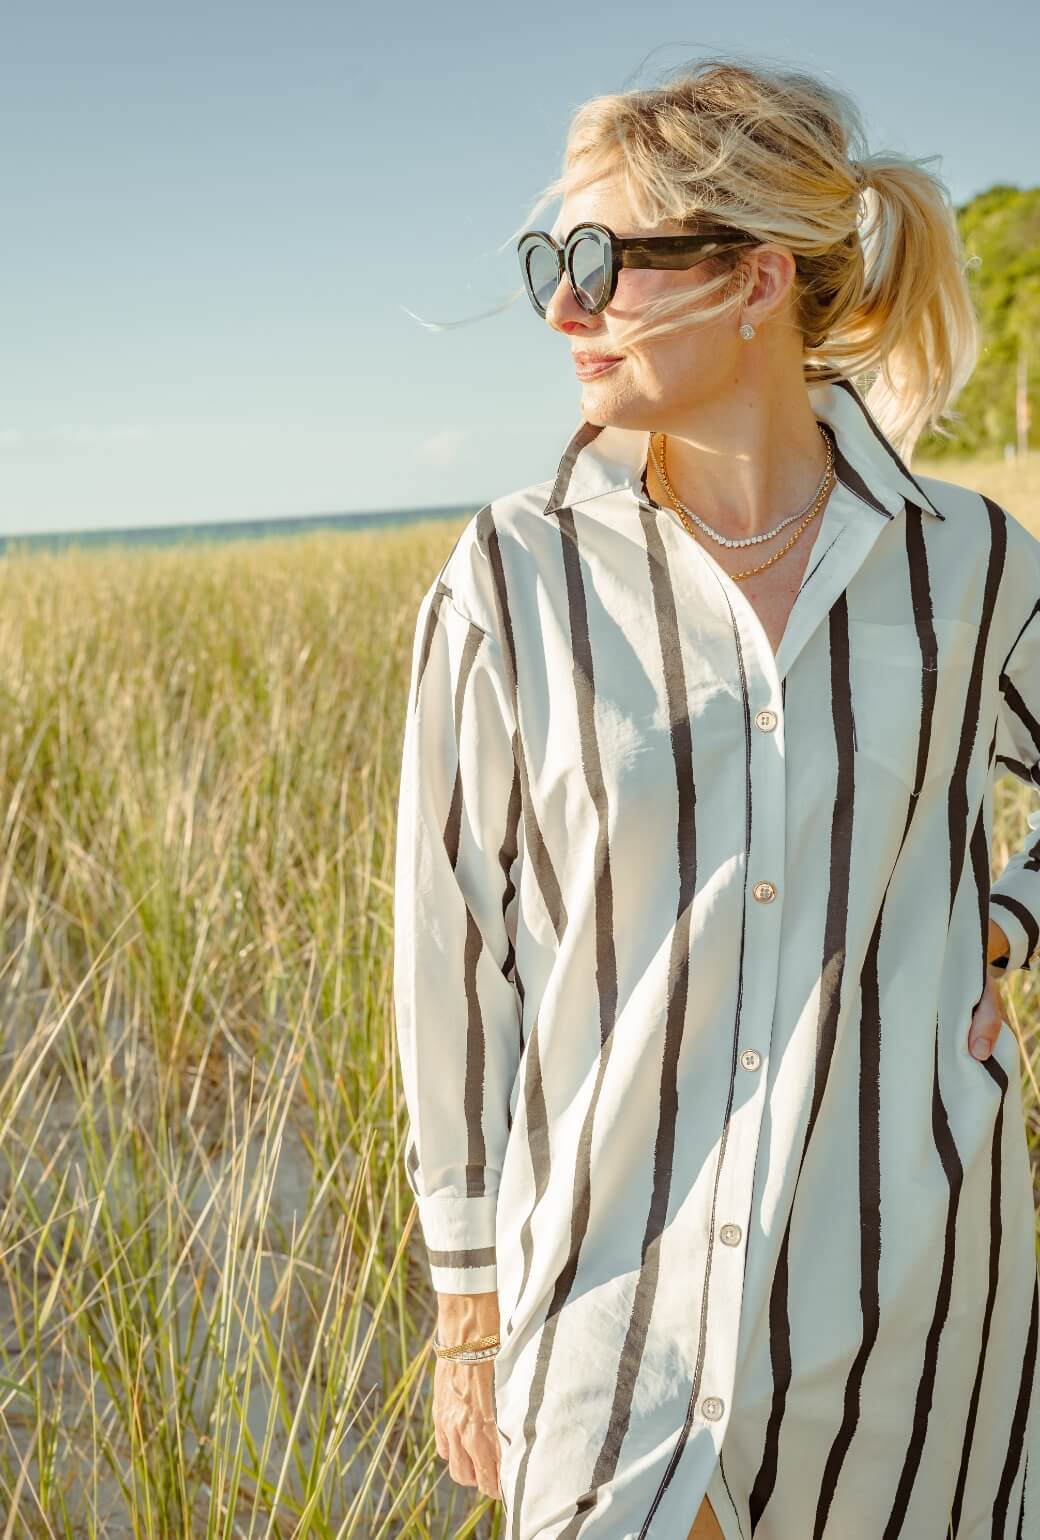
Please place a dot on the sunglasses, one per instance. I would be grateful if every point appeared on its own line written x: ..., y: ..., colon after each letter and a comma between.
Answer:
x: 592, y: 257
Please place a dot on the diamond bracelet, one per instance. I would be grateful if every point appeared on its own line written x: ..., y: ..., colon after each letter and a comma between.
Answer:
x: 470, y: 1352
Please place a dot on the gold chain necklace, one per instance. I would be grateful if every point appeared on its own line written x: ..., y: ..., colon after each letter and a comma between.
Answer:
x: 821, y: 498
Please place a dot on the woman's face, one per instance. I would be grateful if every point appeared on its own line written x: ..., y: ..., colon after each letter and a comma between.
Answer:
x: 666, y: 378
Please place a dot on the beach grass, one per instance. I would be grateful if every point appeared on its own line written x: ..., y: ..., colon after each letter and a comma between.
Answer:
x: 215, y: 1315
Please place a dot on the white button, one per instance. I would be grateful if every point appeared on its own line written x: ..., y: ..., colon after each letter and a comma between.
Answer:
x: 750, y: 1058
x: 712, y: 1408
x: 766, y: 720
x: 765, y: 892
x: 730, y: 1234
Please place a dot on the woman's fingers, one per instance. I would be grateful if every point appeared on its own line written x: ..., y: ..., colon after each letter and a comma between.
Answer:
x: 473, y: 1460
x: 483, y: 1451
x: 985, y: 1025
x: 460, y: 1466
x: 464, y: 1424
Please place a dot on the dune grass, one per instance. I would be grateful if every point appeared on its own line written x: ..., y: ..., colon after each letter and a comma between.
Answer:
x: 215, y: 1318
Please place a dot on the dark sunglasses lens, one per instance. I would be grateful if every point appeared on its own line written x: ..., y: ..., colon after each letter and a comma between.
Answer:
x: 541, y: 273
x: 590, y: 269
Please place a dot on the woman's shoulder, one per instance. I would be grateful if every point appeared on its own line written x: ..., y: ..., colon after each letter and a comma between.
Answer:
x: 991, y: 536
x: 968, y: 506
x: 488, y: 557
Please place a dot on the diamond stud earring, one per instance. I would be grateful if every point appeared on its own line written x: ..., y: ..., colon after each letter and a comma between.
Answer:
x: 747, y: 331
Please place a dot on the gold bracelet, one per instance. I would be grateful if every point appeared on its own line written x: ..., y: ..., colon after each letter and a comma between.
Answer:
x: 477, y: 1347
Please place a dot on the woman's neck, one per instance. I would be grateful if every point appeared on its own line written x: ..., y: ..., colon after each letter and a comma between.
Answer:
x: 742, y: 480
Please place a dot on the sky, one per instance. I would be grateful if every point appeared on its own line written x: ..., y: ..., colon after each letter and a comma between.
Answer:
x: 221, y: 220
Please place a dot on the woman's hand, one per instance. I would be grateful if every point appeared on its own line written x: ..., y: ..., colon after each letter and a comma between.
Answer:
x: 464, y: 1394
x: 464, y: 1420
x: 984, y: 1028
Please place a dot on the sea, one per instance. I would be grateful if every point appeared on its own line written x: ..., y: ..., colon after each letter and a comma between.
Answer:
x: 230, y: 529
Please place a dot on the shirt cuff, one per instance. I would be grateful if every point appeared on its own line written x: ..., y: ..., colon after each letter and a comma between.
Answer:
x: 459, y: 1234
x: 1020, y: 926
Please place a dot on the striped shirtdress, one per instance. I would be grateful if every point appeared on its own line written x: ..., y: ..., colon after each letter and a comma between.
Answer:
x: 688, y: 936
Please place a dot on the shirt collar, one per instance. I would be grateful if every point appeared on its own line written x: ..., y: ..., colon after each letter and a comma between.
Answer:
x: 600, y: 459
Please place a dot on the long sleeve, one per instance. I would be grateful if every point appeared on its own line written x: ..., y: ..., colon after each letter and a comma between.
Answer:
x: 455, y: 900
x: 1015, y: 895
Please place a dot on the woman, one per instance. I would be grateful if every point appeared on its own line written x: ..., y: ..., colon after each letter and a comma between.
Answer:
x: 715, y: 1123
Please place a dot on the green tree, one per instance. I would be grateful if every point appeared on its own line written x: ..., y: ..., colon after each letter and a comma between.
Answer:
x: 1000, y: 229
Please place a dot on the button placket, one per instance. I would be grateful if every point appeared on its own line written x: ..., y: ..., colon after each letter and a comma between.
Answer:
x: 735, y: 1189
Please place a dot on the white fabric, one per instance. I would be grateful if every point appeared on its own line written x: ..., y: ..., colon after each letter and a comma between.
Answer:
x: 721, y: 1147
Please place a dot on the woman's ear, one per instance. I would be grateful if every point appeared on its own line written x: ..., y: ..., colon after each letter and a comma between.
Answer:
x: 771, y: 270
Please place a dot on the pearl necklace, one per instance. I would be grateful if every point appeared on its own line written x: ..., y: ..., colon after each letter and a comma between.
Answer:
x: 747, y: 539
x: 817, y: 503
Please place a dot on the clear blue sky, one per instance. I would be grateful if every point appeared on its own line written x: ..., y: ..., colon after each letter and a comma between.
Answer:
x: 213, y: 214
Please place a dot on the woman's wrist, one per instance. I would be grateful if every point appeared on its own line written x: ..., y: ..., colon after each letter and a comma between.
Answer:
x: 461, y: 1317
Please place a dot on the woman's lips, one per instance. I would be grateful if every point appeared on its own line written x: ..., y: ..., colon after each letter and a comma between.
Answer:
x: 594, y: 366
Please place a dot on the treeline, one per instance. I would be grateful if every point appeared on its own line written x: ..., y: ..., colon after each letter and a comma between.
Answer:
x: 1001, y: 228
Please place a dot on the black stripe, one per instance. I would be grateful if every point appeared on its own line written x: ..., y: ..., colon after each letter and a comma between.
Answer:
x: 1020, y: 708
x: 869, y: 1219
x: 832, y: 971
x: 440, y: 593
x: 507, y: 857
x: 535, y: 1112
x: 703, y: 1325
x: 1024, y: 917
x: 870, y: 1052
x: 536, y: 850
x: 850, y: 390
x: 1018, y: 767
x: 1016, y: 1440
x: 508, y: 852
x: 922, y: 609
x: 957, y: 809
x: 585, y: 434
x: 994, y: 1068
x: 536, y: 1119
x: 980, y: 860
x: 847, y: 474
x: 473, y: 1093
x: 994, y: 573
x: 953, y: 1170
x: 669, y: 641
x: 472, y: 1256
x: 583, y: 675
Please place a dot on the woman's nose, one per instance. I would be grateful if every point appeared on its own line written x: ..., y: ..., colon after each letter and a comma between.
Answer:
x: 563, y: 308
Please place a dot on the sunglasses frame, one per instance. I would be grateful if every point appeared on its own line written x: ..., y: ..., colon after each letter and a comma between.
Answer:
x: 674, y: 252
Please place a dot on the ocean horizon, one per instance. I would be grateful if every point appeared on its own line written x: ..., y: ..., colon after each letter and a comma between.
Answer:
x: 218, y: 531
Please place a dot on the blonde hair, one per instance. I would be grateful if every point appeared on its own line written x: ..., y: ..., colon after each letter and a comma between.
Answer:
x: 880, y: 284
